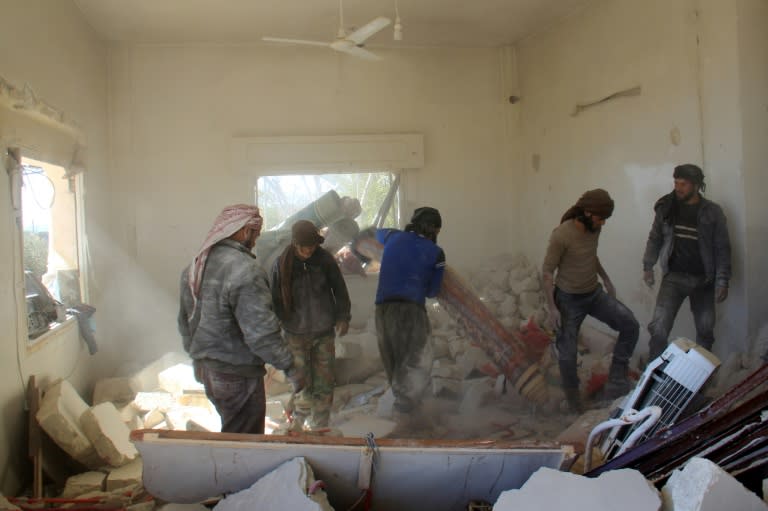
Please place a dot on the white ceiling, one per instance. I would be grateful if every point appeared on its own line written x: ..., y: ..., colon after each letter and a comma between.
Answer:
x: 455, y: 23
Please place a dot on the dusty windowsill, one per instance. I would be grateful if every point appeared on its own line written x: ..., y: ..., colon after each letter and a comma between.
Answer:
x: 53, y: 333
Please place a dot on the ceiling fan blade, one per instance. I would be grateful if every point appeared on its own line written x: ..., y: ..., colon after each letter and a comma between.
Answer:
x: 357, y: 51
x: 360, y: 35
x: 294, y: 41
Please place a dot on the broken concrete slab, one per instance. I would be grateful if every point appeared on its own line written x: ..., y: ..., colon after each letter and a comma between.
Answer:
x: 60, y: 411
x: 131, y: 417
x: 703, y: 486
x: 127, y: 475
x: 346, y: 349
x: 80, y: 484
x: 153, y: 418
x: 476, y: 393
x: 116, y: 390
x: 284, y: 488
x: 549, y: 489
x: 108, y: 434
x: 360, y: 425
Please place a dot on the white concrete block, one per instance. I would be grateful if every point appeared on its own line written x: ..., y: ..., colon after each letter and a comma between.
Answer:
x: 549, y: 489
x: 360, y: 425
x: 127, y: 475
x: 446, y: 387
x: 83, y: 483
x: 59, y: 416
x: 178, y: 378
x: 476, y: 393
x: 109, y: 434
x: 283, y: 488
x: 703, y: 486
x: 116, y: 390
x: 153, y: 418
x: 146, y: 401
x: 131, y: 417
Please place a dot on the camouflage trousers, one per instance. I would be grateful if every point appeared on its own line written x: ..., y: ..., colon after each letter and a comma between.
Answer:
x: 316, y: 354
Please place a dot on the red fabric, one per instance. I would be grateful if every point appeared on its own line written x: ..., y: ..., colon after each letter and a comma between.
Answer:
x: 230, y: 220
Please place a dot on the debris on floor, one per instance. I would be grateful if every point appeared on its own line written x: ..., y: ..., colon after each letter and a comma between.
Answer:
x: 549, y: 489
x: 703, y: 486
x: 290, y: 486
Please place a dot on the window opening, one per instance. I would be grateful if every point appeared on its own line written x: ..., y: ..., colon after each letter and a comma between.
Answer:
x: 50, y: 244
x: 339, y: 204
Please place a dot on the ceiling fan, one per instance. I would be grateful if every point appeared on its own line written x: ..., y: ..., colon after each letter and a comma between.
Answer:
x: 351, y: 44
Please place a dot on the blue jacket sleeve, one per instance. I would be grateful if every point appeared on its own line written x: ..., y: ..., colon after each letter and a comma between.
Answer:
x: 436, y: 280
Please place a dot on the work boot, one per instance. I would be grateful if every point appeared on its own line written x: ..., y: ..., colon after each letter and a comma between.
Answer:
x: 573, y: 400
x: 618, y: 384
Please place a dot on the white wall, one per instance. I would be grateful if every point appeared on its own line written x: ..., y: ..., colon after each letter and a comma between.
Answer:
x: 176, y: 109
x: 629, y: 146
x: 46, y: 44
x: 753, y: 62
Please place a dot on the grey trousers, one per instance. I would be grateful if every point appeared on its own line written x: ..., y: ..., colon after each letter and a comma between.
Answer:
x: 402, y: 329
x: 675, y: 288
x: 239, y: 400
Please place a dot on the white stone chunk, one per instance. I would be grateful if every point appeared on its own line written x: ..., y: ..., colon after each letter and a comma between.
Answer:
x: 472, y: 361
x: 127, y: 475
x: 83, y: 483
x: 109, y: 434
x: 146, y: 401
x: 59, y: 416
x: 703, y: 486
x: 476, y: 393
x: 360, y: 425
x: 153, y: 418
x: 116, y: 390
x: 178, y: 378
x: 283, y: 488
x: 549, y: 489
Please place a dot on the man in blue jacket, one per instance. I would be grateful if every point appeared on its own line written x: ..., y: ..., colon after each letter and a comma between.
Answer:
x: 412, y: 267
x: 689, y: 238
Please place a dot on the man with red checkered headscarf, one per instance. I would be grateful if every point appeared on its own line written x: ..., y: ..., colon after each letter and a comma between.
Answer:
x: 227, y: 323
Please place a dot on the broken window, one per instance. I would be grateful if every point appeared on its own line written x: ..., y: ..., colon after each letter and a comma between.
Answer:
x: 49, y: 204
x: 339, y: 204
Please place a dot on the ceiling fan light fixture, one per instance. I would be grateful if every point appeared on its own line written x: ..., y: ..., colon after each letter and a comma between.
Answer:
x: 398, y: 32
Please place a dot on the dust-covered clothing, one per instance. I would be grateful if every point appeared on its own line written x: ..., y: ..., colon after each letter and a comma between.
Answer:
x: 316, y: 355
x: 318, y: 293
x: 402, y: 329
x: 319, y: 299
x: 692, y: 246
x: 573, y: 253
x: 232, y: 333
x: 412, y: 267
x: 237, y: 326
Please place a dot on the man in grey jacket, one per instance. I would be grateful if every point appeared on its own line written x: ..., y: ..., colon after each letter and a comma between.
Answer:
x: 227, y: 323
x: 689, y: 239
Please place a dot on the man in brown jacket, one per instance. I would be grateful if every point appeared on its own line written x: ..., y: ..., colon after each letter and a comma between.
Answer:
x: 575, y: 292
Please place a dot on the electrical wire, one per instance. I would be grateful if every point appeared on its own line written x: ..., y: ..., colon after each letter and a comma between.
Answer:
x: 38, y: 171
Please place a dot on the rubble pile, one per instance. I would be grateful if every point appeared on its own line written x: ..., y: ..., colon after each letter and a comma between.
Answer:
x: 159, y: 396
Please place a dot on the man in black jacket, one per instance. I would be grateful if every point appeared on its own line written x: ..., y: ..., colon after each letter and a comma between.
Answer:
x: 312, y: 301
x: 689, y: 238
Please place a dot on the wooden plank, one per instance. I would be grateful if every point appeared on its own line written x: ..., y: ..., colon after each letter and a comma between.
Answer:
x: 35, y: 437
